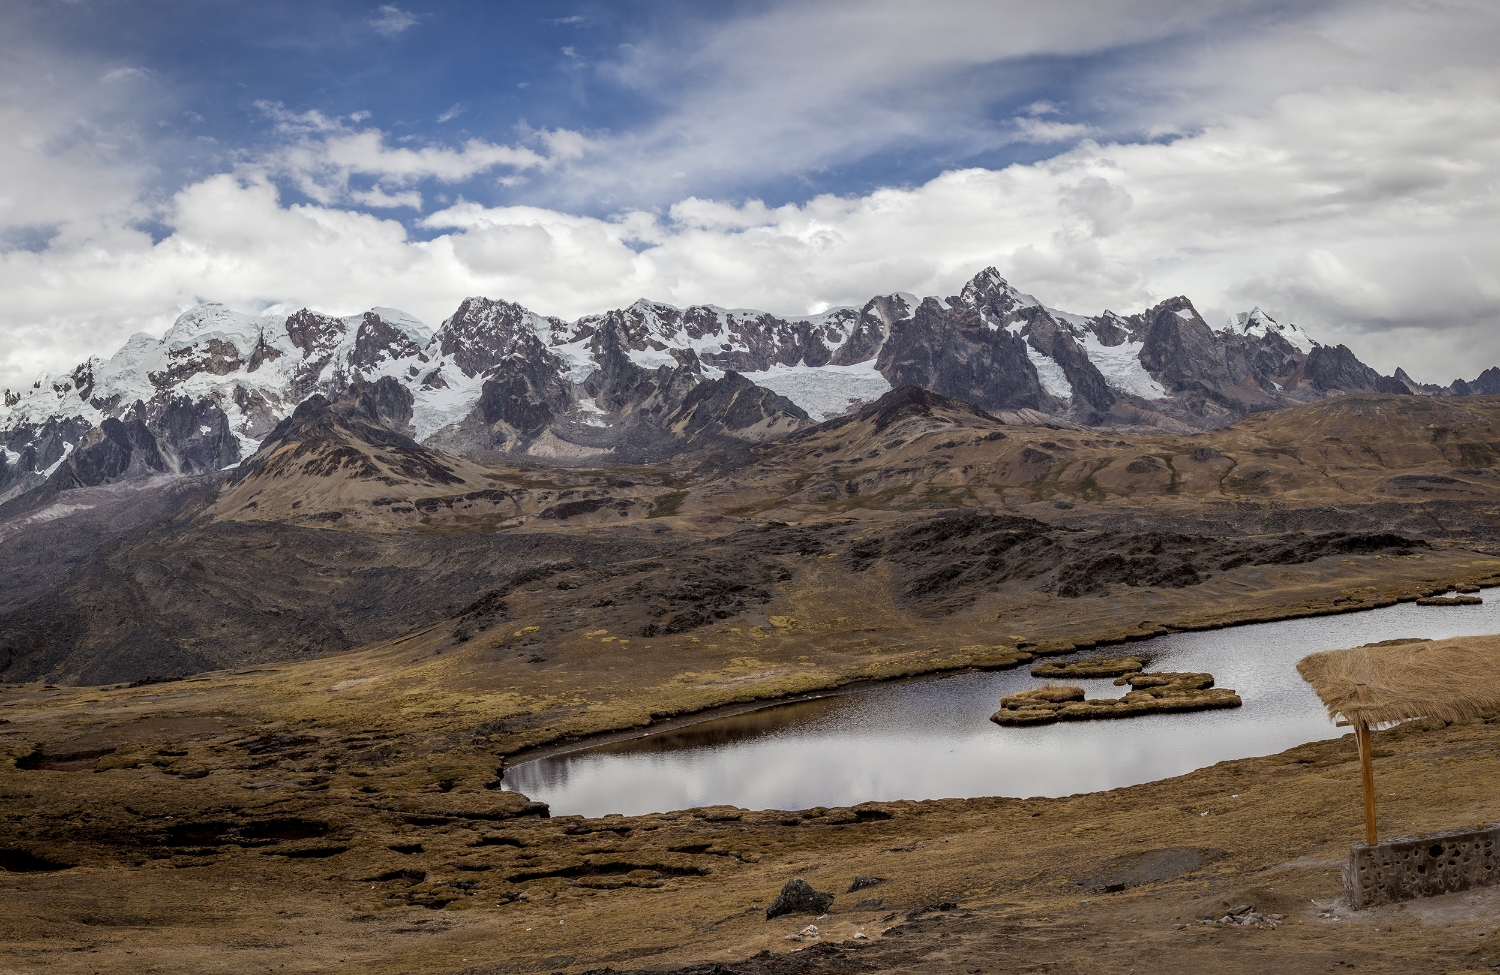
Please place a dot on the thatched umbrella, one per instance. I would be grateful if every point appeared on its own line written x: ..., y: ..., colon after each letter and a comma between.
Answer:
x: 1398, y: 680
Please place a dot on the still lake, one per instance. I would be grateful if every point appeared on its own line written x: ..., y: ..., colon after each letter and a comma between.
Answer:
x: 931, y: 738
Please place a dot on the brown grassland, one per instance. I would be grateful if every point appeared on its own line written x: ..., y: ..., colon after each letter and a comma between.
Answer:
x: 340, y: 812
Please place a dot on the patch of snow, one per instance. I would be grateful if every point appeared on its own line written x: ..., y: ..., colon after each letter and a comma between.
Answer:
x: 51, y: 397
x: 54, y: 512
x: 824, y: 391
x: 575, y: 355
x: 433, y: 409
x: 10, y: 458
x: 1184, y: 314
x: 1068, y: 317
x: 212, y: 320
x: 651, y: 358
x: 67, y: 449
x: 205, y: 429
x: 1120, y: 365
x: 1051, y: 375
x: 591, y: 414
x: 1257, y: 324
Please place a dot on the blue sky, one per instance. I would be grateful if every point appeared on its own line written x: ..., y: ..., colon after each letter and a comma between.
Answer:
x: 1328, y: 160
x: 210, y: 82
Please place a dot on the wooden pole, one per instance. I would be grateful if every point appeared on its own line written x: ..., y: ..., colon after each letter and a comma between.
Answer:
x: 1367, y: 773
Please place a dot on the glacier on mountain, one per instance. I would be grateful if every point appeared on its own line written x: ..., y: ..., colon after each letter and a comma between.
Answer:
x: 825, y: 391
x: 1050, y: 374
x: 1120, y: 365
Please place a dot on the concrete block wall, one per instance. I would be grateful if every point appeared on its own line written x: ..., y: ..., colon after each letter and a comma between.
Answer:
x: 1420, y: 866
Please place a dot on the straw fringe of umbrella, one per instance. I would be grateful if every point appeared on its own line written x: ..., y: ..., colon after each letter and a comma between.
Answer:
x: 1449, y: 680
x: 1398, y: 680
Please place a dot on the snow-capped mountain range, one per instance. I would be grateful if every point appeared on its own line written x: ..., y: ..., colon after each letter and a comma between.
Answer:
x: 645, y: 381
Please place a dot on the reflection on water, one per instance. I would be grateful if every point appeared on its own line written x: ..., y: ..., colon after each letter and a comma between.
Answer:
x: 928, y: 739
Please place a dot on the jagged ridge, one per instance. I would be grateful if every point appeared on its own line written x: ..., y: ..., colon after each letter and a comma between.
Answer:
x: 652, y: 380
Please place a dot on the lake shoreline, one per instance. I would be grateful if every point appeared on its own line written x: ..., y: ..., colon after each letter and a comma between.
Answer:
x: 570, y: 744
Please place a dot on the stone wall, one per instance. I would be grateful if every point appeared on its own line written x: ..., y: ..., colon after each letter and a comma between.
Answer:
x: 1423, y: 865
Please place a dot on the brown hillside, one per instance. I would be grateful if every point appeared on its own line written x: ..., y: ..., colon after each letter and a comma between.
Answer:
x: 1352, y: 449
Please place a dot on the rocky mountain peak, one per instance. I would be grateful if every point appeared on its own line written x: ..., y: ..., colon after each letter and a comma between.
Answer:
x: 1178, y: 348
x: 377, y: 339
x: 483, y: 331
x: 992, y: 297
x: 1257, y: 324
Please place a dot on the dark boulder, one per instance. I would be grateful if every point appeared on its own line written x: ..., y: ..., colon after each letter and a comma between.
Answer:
x: 116, y: 449
x: 798, y: 897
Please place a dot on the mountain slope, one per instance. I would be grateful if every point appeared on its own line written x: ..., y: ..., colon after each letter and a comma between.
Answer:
x: 342, y: 530
x: 914, y: 449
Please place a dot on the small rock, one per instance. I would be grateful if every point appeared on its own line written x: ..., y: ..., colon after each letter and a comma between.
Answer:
x: 1240, y: 909
x: 860, y: 936
x: 870, y: 902
x: 798, y: 897
x: 860, y: 883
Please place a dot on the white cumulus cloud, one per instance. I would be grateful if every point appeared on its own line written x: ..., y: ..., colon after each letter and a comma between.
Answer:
x: 323, y: 156
x: 1345, y: 233
x: 1335, y: 167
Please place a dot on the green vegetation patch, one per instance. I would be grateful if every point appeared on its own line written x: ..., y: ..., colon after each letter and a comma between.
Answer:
x: 666, y: 505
